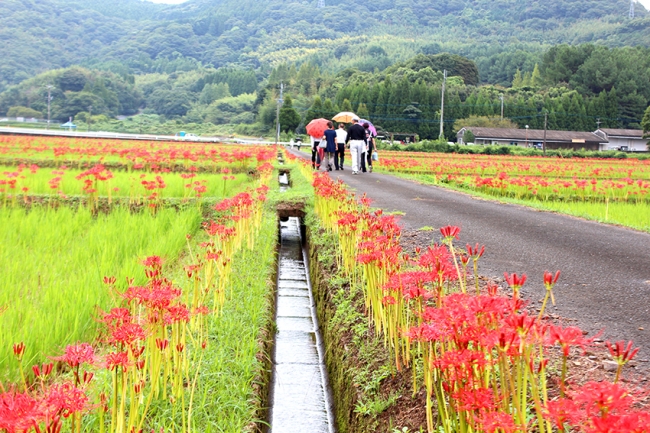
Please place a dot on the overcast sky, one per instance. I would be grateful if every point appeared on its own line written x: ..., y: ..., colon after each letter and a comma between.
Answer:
x: 645, y: 3
x: 175, y: 2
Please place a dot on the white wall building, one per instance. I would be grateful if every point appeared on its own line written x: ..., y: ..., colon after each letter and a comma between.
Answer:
x: 623, y: 139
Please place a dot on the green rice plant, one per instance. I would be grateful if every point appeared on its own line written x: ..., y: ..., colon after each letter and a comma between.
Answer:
x: 224, y: 389
x: 635, y: 215
x: 53, y: 264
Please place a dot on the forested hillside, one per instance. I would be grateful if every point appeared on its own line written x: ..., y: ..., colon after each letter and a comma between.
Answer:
x: 220, y: 62
x: 134, y: 36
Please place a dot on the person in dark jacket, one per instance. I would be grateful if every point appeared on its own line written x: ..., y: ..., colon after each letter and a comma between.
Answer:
x: 330, y: 150
x: 315, y: 156
x: 357, y: 139
x: 370, y: 146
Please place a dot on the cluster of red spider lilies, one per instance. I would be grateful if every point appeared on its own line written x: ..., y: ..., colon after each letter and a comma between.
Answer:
x: 153, y: 342
x: 154, y: 156
x: 481, y: 356
x: 532, y: 177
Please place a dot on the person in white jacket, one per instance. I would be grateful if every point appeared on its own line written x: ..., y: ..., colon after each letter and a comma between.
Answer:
x: 341, y: 136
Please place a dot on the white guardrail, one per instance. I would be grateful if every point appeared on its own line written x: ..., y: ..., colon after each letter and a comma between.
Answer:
x: 127, y: 136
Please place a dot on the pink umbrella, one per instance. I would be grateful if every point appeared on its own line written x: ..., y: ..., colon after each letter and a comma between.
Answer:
x: 316, y: 128
x: 371, y: 127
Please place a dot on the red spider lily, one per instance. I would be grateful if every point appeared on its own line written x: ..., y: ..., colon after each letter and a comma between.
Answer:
x: 43, y: 371
x: 109, y: 281
x: 497, y: 422
x: 622, y: 355
x: 20, y: 412
x: 514, y: 281
x: 77, y: 354
x: 158, y: 296
x: 567, y: 338
x: 117, y: 359
x: 162, y: 344
x: 449, y: 233
x: 438, y: 260
x: 550, y: 279
x: 425, y: 332
x: 522, y: 323
x: 561, y: 412
x: 87, y: 377
x: 473, y: 399
x: 154, y: 262
x: 549, y: 282
x: 66, y: 399
x: 117, y: 317
x: 459, y: 365
x: 620, y: 352
x: 176, y: 313
x: 127, y: 335
x: 19, y: 350
x: 476, y: 252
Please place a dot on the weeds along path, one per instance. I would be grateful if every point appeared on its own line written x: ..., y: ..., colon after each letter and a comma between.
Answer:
x: 605, y: 281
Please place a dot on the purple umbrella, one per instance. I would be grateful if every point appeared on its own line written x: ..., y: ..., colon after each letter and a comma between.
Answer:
x: 371, y: 127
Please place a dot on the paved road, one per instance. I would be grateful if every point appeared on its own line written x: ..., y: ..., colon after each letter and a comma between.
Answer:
x: 605, y: 281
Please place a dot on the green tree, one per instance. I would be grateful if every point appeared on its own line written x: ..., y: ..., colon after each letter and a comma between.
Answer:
x: 645, y: 124
x: 73, y: 79
x: 315, y: 111
x: 170, y: 103
x: 346, y: 105
x: 214, y: 92
x: 362, y: 111
x: 78, y: 102
x: 289, y: 117
x: 27, y: 112
x: 536, y: 77
x: 517, y: 80
x: 329, y: 109
x: 485, y: 122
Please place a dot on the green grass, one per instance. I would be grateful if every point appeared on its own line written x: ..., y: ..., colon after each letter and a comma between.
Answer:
x: 53, y: 264
x: 225, y: 389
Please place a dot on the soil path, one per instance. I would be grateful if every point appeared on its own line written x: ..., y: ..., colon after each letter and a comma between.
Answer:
x: 605, y: 281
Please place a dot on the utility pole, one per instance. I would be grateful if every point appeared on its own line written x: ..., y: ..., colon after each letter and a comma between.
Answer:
x: 526, y: 135
x: 598, y: 122
x: 90, y: 114
x: 501, y: 97
x: 442, y: 105
x: 49, y: 88
x: 545, y: 125
x: 632, y: 9
x: 277, y: 114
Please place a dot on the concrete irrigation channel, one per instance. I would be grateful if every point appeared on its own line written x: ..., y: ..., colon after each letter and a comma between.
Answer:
x: 300, y: 400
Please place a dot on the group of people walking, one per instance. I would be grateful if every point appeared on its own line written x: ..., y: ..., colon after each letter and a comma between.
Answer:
x: 333, y: 143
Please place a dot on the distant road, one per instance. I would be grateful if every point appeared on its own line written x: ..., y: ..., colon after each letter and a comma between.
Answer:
x: 125, y: 136
x: 605, y: 280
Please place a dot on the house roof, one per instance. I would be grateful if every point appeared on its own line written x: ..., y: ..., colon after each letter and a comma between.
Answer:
x: 532, y: 134
x: 629, y: 133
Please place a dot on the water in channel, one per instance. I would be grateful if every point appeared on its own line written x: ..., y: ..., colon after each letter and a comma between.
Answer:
x: 300, y: 399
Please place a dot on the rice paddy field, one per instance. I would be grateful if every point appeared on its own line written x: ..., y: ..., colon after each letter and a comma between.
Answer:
x: 608, y: 190
x: 131, y: 298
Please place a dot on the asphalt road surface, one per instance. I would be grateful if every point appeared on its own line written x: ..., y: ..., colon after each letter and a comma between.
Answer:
x: 605, y: 279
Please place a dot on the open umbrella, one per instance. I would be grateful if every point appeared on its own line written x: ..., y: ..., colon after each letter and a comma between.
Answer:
x: 371, y: 127
x: 344, y: 117
x: 316, y: 128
